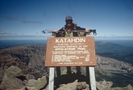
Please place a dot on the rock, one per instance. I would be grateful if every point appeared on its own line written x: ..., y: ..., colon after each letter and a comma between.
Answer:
x: 14, y: 71
x: 74, y: 86
x: 69, y: 86
x: 104, y: 85
x: 37, y: 84
x: 31, y: 88
x: 31, y: 82
x: 81, y: 85
x: 128, y: 87
x: 28, y: 76
x: 41, y: 82
x: 23, y: 88
x: 10, y: 79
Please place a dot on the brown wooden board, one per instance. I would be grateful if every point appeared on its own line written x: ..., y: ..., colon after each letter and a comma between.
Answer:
x: 70, y: 51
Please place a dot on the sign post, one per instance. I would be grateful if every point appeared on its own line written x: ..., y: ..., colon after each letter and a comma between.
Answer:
x: 51, y: 78
x: 71, y: 51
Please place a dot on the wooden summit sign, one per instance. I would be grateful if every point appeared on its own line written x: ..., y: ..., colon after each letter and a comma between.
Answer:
x: 70, y: 51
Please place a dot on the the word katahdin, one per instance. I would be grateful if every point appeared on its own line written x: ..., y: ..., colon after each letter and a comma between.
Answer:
x: 70, y: 40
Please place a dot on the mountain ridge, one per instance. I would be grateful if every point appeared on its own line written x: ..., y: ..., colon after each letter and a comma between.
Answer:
x: 107, y: 68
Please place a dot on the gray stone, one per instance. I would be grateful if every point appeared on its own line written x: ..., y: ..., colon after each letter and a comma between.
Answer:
x: 104, y: 85
x: 10, y: 81
x: 37, y: 84
x: 74, y: 86
x: 128, y: 87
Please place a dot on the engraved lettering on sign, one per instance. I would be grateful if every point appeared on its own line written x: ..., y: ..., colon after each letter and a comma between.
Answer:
x: 58, y: 52
x: 72, y: 52
x: 70, y: 40
x: 87, y: 57
x: 65, y: 49
x: 63, y: 58
x: 81, y: 48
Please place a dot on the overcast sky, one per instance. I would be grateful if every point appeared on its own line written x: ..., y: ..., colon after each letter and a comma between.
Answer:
x: 29, y: 17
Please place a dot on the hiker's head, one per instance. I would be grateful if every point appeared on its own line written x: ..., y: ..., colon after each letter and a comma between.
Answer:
x: 69, y: 20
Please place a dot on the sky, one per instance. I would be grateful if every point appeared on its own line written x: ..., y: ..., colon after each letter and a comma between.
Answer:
x: 22, y: 19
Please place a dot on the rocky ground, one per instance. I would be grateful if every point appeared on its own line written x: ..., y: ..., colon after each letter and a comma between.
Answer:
x: 22, y: 68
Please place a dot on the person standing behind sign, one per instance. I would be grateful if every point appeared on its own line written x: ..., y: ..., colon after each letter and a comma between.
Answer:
x: 66, y: 31
x: 69, y: 26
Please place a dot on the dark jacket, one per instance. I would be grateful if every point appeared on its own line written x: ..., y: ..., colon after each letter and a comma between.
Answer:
x: 63, y: 30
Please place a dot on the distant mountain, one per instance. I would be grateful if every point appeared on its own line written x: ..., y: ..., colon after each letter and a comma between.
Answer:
x: 107, y: 47
x: 120, y: 72
x: 115, y: 51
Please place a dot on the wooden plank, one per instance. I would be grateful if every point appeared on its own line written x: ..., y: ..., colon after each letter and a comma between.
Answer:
x: 92, y: 78
x: 51, y: 79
